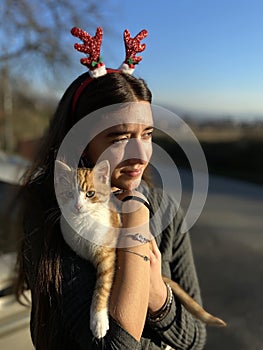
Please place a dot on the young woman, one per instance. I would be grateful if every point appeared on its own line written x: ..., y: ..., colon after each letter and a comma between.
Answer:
x: 60, y: 281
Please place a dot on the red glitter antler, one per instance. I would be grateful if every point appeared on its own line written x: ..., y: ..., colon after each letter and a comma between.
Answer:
x: 132, y: 47
x: 91, y: 46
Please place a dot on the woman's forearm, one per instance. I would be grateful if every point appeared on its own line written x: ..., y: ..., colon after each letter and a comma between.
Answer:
x: 130, y: 291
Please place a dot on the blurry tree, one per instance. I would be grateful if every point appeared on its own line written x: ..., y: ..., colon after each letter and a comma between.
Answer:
x: 36, y: 45
x: 40, y: 29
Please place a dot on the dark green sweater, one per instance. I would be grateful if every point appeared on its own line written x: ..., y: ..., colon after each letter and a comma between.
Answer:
x: 68, y: 325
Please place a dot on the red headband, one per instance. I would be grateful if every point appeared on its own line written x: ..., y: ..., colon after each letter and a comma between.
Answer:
x: 91, y: 46
x: 84, y: 84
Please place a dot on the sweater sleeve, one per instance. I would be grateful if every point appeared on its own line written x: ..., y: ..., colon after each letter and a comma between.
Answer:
x: 179, y: 328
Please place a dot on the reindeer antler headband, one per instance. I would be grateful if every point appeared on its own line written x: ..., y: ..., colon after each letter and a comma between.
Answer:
x: 91, y: 46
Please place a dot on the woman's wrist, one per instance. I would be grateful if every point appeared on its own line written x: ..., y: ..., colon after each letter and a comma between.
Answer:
x: 158, y: 299
x: 164, y: 310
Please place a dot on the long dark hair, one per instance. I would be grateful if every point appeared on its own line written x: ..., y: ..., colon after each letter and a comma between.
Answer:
x: 113, y: 88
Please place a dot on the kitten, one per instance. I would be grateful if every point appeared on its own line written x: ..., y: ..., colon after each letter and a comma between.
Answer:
x: 85, y: 209
x: 88, y: 212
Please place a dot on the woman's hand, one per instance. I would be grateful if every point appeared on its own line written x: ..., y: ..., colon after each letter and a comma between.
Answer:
x: 158, y: 290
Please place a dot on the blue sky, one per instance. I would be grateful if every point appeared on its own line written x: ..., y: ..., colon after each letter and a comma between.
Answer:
x: 204, y: 56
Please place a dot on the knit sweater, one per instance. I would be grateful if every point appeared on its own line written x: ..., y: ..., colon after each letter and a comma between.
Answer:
x: 69, y: 316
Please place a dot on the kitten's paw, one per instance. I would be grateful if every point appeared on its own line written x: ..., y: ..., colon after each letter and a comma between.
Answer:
x: 99, y: 323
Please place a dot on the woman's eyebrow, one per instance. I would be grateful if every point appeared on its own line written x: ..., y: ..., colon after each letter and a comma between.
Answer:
x: 118, y: 133
x: 127, y: 131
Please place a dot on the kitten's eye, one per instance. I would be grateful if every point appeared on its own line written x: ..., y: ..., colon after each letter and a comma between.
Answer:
x: 90, y: 194
x: 69, y: 194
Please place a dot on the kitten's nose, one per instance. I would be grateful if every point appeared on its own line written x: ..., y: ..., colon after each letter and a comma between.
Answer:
x: 78, y: 206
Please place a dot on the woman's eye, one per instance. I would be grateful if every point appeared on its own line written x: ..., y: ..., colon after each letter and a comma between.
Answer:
x: 90, y: 194
x: 148, y: 135
x: 120, y: 141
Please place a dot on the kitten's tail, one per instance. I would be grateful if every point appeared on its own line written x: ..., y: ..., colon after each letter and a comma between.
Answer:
x: 192, y: 306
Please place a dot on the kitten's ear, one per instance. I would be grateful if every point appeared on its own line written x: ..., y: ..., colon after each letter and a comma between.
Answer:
x: 102, y: 172
x: 61, y: 166
x: 62, y: 171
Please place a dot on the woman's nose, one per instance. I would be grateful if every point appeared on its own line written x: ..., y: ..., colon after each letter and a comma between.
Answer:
x: 138, y: 149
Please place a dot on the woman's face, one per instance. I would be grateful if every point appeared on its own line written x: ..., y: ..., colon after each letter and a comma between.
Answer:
x: 127, y: 145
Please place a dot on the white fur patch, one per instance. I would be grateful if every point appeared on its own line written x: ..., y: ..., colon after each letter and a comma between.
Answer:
x: 99, y: 322
x: 84, y: 231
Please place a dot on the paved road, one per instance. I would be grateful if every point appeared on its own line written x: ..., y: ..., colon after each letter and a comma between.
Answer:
x: 228, y: 247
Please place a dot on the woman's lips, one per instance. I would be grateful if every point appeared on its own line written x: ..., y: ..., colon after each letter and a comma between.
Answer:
x: 133, y: 172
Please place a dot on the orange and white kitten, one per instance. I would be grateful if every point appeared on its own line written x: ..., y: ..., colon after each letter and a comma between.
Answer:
x: 90, y: 218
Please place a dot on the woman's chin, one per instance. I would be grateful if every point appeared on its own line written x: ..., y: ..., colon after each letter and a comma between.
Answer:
x: 129, y: 185
x: 135, y: 186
